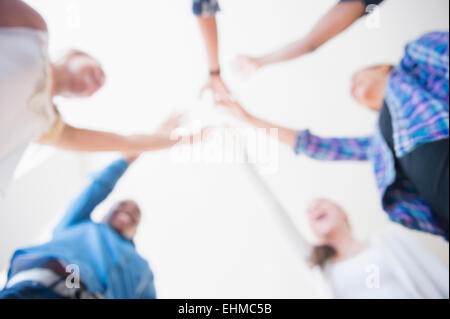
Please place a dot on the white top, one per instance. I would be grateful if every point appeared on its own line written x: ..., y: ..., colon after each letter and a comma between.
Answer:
x: 26, y: 109
x: 395, y: 265
x: 367, y: 275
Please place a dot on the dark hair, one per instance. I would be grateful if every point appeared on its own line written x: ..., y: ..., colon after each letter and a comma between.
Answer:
x: 321, y: 254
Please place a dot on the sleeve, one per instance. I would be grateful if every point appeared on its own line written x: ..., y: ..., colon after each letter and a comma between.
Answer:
x: 418, y: 115
x: 149, y: 292
x: 429, y: 53
x: 98, y: 190
x: 147, y: 288
x: 205, y: 8
x: 333, y: 149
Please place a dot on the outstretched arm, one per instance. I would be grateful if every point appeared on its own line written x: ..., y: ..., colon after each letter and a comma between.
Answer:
x: 105, y: 181
x: 331, y: 149
x: 205, y: 11
x: 285, y: 135
x: 334, y: 22
x: 76, y: 139
x: 97, y: 191
x: 208, y: 28
x: 71, y: 138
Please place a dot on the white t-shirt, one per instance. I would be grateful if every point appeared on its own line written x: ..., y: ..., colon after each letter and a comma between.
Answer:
x: 26, y: 110
x: 394, y: 266
x: 367, y: 275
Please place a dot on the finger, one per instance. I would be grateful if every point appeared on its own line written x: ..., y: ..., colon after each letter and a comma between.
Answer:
x: 205, y: 88
x: 200, y: 136
x: 223, y: 99
x: 177, y: 119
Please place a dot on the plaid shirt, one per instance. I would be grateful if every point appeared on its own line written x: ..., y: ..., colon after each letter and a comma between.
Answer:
x: 417, y: 96
x: 206, y: 8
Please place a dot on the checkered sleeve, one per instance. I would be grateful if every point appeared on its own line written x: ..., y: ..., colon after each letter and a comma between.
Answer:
x: 428, y: 53
x: 418, y: 117
x: 333, y: 149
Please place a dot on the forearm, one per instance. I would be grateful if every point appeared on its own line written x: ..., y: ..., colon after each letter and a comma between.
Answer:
x: 208, y: 27
x: 81, y: 140
x: 327, y: 149
x: 285, y: 135
x: 335, y: 21
x: 291, y: 51
x: 101, y: 186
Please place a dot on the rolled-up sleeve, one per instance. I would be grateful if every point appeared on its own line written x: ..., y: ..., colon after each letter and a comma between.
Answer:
x: 205, y: 8
x: 333, y: 149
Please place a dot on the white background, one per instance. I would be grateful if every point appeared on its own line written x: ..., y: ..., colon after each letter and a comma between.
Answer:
x: 206, y: 231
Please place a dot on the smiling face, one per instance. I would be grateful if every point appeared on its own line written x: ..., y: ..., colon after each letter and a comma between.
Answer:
x: 83, y: 76
x: 124, y: 218
x: 368, y: 86
x: 327, y: 219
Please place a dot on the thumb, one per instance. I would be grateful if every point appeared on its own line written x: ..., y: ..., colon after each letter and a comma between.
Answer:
x: 205, y: 88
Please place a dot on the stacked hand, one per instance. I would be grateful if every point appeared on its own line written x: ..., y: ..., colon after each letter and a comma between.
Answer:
x: 235, y: 108
x: 172, y: 123
x: 164, y: 135
x: 218, y: 88
x: 168, y: 126
x: 247, y: 65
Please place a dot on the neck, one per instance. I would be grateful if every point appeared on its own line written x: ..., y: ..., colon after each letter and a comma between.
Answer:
x: 60, y: 79
x: 344, y: 244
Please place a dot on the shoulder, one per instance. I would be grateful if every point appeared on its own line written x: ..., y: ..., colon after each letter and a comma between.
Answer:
x: 16, y: 13
x: 392, y: 235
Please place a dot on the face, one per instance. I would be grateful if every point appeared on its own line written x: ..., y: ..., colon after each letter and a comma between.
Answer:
x: 85, y: 75
x: 326, y: 218
x: 124, y: 218
x: 368, y: 86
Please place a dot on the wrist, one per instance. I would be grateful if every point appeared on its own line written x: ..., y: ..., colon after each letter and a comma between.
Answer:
x: 262, y: 61
x: 247, y: 117
x: 214, y: 72
x: 130, y: 159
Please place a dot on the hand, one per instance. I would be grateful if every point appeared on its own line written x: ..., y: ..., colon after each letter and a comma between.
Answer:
x: 196, y: 137
x: 218, y: 88
x: 172, y: 123
x: 247, y: 65
x: 235, y: 109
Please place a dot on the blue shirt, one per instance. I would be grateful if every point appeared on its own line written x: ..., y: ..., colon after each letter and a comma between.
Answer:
x: 108, y: 263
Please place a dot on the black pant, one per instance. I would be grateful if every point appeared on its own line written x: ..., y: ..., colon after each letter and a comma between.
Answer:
x: 427, y: 167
